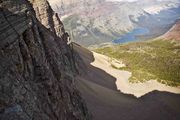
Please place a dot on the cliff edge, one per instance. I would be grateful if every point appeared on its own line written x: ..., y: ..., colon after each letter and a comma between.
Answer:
x: 36, y: 65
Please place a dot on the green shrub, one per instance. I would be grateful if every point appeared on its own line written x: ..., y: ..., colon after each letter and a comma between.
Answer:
x: 157, y: 59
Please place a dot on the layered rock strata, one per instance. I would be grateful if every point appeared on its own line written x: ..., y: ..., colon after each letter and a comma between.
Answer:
x: 36, y: 65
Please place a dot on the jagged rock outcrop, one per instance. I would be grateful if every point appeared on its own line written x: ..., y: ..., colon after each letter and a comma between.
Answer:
x: 48, y: 17
x: 36, y: 65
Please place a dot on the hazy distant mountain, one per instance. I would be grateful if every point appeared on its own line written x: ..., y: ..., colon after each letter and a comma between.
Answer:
x: 91, y: 22
x: 155, y: 6
x: 104, y: 23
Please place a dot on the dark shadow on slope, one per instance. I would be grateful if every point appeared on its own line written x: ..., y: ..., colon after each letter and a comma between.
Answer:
x: 106, y: 103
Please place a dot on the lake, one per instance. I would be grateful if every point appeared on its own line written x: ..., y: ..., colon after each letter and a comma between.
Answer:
x: 132, y: 35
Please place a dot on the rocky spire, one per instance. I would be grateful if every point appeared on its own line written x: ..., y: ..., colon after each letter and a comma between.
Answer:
x: 48, y: 17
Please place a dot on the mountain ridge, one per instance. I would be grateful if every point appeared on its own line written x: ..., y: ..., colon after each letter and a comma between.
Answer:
x: 95, y: 22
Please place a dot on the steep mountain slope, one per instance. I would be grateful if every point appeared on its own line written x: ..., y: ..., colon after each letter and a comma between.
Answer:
x: 157, y: 59
x: 100, y: 21
x: 36, y: 65
x: 156, y: 6
x: 107, y: 21
x: 150, y: 60
x: 173, y: 33
x: 38, y: 74
x: 99, y: 90
x: 67, y: 6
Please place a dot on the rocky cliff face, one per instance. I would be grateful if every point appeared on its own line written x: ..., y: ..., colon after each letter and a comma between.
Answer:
x: 36, y: 65
x: 48, y: 17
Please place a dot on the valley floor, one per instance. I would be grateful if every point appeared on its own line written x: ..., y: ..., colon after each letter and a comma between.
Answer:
x: 122, y: 77
x: 99, y: 84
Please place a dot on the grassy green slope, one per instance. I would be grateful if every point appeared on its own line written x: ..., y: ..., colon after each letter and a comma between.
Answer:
x: 157, y: 59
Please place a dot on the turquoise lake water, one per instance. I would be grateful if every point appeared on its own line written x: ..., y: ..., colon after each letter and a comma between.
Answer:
x: 132, y: 36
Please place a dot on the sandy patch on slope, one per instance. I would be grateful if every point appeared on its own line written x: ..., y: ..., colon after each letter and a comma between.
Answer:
x: 136, y: 89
